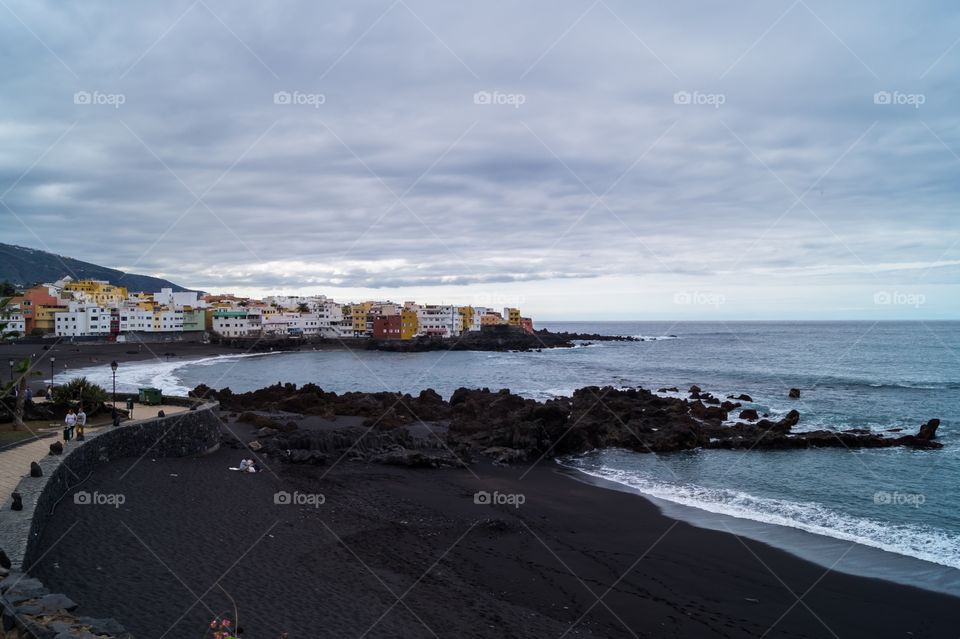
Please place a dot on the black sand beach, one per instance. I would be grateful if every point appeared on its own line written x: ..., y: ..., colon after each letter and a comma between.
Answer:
x: 460, y: 569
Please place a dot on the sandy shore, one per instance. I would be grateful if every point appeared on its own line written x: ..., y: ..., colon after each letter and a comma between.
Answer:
x: 77, y: 356
x: 460, y: 569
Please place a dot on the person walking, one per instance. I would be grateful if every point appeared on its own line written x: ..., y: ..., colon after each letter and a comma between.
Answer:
x: 81, y: 423
x: 70, y: 422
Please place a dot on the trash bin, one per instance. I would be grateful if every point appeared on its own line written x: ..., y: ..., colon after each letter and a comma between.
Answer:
x: 67, y: 433
x: 151, y: 396
x: 130, y: 407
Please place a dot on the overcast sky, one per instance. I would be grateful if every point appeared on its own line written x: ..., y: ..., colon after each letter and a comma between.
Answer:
x: 607, y: 159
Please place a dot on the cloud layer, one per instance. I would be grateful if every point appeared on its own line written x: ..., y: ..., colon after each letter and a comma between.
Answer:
x: 782, y: 152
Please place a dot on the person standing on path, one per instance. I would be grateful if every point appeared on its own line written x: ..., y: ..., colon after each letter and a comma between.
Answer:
x: 81, y: 423
x: 70, y: 422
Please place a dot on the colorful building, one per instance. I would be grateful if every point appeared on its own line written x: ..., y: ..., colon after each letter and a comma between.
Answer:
x: 97, y: 292
x: 491, y: 318
x: 387, y: 327
x: 512, y: 316
x: 409, y: 324
x: 38, y: 305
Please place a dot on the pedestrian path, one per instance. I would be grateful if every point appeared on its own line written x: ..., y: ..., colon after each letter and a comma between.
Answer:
x: 15, y: 462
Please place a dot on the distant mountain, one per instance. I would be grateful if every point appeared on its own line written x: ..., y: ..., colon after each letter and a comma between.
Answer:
x: 26, y: 267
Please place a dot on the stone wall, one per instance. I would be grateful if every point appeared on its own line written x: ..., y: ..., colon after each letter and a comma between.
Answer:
x: 194, y: 432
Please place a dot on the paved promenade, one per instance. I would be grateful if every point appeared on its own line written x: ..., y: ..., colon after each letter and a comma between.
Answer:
x: 15, y: 462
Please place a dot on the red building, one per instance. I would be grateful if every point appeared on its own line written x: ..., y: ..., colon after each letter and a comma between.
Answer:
x: 526, y: 324
x: 386, y: 327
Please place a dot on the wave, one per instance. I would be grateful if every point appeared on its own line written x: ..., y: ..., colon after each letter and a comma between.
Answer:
x: 653, y: 338
x: 918, y: 541
x: 158, y: 374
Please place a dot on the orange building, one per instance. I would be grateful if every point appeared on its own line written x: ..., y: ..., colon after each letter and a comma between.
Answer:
x: 38, y: 306
x: 491, y: 318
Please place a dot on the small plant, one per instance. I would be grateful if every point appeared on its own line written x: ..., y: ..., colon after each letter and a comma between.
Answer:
x: 222, y: 629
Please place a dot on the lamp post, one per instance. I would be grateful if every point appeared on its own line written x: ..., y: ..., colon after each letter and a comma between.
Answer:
x: 113, y: 367
x: 52, y: 373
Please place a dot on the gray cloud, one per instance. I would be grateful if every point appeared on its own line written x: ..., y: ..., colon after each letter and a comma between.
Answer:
x: 300, y: 196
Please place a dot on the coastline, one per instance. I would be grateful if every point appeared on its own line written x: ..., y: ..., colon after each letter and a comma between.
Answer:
x: 851, y: 558
x: 526, y: 571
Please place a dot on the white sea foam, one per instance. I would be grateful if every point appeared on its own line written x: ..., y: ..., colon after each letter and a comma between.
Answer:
x: 919, y: 541
x: 654, y: 338
x: 156, y: 373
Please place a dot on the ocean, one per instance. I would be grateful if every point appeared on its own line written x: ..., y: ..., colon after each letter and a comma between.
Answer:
x: 892, y: 513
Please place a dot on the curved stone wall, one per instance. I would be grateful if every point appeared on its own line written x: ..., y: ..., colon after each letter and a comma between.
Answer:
x: 193, y: 432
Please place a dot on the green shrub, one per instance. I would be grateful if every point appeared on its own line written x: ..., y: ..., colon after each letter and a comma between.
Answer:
x: 79, y: 390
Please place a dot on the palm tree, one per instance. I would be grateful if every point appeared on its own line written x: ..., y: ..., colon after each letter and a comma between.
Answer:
x: 302, y: 307
x: 22, y: 370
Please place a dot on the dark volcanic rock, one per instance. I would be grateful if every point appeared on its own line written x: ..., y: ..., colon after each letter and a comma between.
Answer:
x: 426, y: 431
x: 417, y: 459
x: 794, y: 393
x: 929, y: 430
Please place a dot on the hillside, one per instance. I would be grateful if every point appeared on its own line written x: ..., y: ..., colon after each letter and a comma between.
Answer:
x: 26, y: 266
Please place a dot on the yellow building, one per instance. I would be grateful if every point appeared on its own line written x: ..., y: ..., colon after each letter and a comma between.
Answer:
x: 45, y: 317
x: 512, y: 316
x: 409, y: 324
x: 358, y: 313
x: 467, y: 314
x: 97, y: 291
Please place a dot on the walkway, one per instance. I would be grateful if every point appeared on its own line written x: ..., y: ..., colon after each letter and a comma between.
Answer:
x: 15, y: 462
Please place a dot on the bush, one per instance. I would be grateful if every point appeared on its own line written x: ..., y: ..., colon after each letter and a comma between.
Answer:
x: 79, y: 390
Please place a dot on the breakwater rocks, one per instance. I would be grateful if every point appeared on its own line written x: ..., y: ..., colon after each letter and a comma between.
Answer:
x: 28, y: 610
x: 490, y: 338
x: 430, y: 431
x: 496, y: 338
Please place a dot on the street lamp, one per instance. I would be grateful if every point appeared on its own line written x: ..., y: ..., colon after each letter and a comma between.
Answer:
x: 113, y: 367
x: 52, y: 373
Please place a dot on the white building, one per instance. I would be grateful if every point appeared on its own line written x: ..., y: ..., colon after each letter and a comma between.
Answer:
x: 237, y: 323
x: 82, y: 320
x: 439, y: 321
x: 167, y: 297
x: 15, y: 324
x: 291, y: 324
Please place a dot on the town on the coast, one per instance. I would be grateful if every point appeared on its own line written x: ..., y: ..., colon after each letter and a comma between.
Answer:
x: 87, y: 308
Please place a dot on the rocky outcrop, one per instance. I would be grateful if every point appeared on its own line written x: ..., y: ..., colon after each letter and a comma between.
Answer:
x: 794, y: 393
x: 28, y: 609
x: 929, y: 430
x: 507, y: 428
